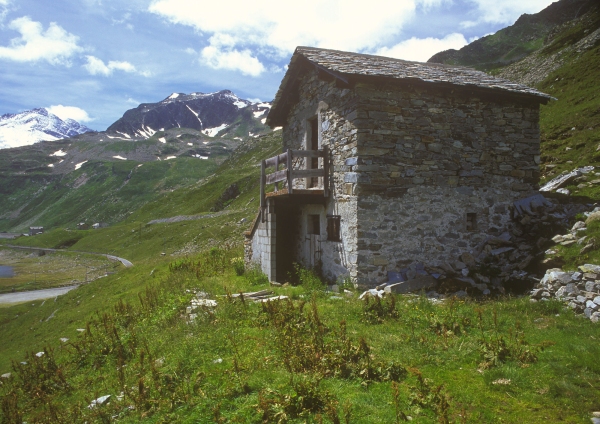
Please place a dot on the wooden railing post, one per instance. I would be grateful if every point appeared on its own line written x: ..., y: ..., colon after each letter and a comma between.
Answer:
x: 326, y: 171
x: 276, y: 169
x: 289, y: 170
x: 262, y: 191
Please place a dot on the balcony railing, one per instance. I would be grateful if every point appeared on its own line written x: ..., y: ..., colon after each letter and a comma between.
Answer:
x: 290, y: 172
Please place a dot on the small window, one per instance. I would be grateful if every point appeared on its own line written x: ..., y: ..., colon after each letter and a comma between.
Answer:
x: 471, y: 221
x: 313, y: 224
x: 333, y: 228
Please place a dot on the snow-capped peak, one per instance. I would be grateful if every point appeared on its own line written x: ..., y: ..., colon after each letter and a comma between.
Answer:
x: 35, y: 125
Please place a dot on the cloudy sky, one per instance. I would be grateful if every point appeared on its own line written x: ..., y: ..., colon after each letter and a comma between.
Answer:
x: 91, y: 60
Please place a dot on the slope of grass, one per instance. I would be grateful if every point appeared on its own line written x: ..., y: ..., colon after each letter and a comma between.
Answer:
x: 98, y: 191
x: 314, y: 358
x: 570, y: 126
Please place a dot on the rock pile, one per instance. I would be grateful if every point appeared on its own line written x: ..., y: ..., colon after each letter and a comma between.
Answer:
x: 580, y: 290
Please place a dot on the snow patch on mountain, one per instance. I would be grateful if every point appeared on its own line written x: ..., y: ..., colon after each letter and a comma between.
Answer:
x: 35, y: 125
x: 211, y: 132
x: 79, y: 165
x: 59, y: 153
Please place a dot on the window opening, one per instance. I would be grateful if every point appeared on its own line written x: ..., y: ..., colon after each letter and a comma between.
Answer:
x: 313, y: 224
x: 471, y: 221
x: 333, y: 228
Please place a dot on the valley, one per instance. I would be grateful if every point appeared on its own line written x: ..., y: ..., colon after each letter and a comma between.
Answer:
x: 180, y: 337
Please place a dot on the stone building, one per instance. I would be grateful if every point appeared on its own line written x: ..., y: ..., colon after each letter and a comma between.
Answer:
x: 389, y: 163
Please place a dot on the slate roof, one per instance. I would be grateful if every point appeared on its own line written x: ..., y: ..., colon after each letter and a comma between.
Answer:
x: 348, y: 65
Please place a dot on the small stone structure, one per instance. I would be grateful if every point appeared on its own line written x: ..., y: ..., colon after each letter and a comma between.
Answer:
x: 423, y: 163
x: 36, y: 230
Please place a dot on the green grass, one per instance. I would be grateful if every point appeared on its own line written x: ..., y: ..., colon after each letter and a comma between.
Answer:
x: 233, y: 363
x: 571, y: 125
x: 41, y: 270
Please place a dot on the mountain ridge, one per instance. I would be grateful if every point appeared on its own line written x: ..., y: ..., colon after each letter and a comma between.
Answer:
x: 212, y: 113
x: 31, y: 126
x: 511, y: 44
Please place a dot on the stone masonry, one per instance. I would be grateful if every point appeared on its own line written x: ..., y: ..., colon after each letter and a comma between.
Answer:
x: 421, y: 170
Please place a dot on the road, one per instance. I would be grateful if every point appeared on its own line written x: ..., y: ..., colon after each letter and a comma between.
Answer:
x: 28, y: 296
x: 125, y: 262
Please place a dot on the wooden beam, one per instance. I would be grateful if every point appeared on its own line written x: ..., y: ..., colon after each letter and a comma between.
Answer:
x: 326, y: 171
x: 275, y: 160
x: 277, y: 176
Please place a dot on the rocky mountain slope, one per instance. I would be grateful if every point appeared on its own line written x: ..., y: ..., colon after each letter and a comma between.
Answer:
x: 35, y: 125
x: 220, y: 113
x: 528, y: 34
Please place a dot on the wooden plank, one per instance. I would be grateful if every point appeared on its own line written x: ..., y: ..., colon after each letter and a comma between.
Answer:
x: 307, y: 153
x: 277, y: 170
x: 307, y: 173
x: 281, y: 192
x: 277, y: 176
x: 289, y: 175
x: 275, y: 160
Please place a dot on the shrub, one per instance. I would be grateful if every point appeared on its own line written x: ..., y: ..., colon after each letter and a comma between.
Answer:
x: 238, y: 265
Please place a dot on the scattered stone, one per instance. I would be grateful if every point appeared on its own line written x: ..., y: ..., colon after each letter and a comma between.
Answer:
x: 64, y: 339
x: 39, y: 354
x: 590, y: 268
x: 99, y: 401
x: 419, y: 283
x: 81, y: 330
x: 371, y: 292
x: 568, y: 287
x: 5, y: 375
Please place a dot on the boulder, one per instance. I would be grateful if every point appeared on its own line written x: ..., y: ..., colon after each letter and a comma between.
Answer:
x: 594, y: 216
x: 420, y: 282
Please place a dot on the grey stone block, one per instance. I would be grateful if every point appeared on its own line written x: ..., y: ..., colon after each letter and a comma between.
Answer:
x: 421, y: 282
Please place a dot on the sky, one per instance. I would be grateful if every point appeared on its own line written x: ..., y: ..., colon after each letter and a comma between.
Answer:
x: 91, y: 60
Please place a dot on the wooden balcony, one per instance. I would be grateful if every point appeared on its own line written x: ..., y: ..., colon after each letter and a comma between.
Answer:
x: 290, y: 172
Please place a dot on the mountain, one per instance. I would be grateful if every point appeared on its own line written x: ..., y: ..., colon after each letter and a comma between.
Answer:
x: 35, y: 125
x: 528, y: 34
x: 214, y: 113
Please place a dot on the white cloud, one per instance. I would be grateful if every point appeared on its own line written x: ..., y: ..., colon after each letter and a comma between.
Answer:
x: 274, y: 28
x: 97, y: 66
x: 421, y: 49
x: 69, y: 112
x: 503, y: 11
x: 220, y: 55
x: 3, y: 9
x: 55, y: 45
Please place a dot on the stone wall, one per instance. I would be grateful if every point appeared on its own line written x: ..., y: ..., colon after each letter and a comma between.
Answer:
x: 334, y: 108
x: 262, y: 249
x: 418, y: 173
x: 426, y: 159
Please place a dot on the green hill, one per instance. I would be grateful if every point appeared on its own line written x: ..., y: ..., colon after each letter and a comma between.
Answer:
x: 317, y: 356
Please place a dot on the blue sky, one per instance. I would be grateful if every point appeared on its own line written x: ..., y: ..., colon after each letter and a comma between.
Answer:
x: 91, y: 60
